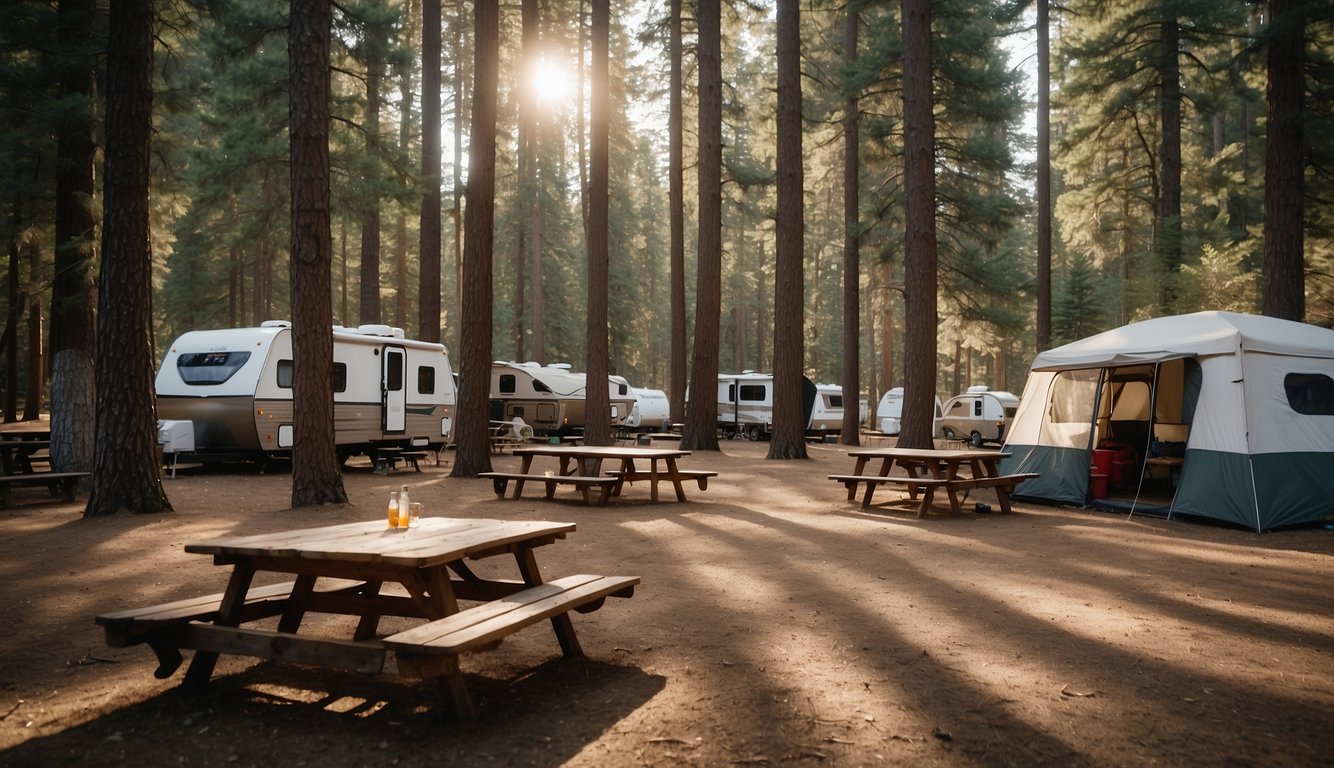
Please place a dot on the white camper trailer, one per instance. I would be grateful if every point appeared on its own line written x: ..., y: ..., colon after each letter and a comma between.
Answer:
x: 826, y: 410
x: 651, y: 411
x: 235, y: 386
x: 889, y: 413
x: 550, y: 398
x: 979, y: 415
x: 746, y: 404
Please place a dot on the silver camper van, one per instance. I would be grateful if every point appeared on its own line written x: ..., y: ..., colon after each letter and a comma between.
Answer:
x: 979, y: 416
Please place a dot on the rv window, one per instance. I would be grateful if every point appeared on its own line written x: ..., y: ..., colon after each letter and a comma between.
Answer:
x: 208, y: 368
x: 977, y: 408
x: 285, y: 374
x: 754, y: 393
x: 623, y: 390
x: 506, y: 383
x: 426, y: 380
x: 395, y: 375
x: 340, y: 377
x: 1311, y: 394
x: 835, y: 401
x: 539, y: 386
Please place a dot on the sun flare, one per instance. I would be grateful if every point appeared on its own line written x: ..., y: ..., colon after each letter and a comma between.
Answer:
x: 551, y: 82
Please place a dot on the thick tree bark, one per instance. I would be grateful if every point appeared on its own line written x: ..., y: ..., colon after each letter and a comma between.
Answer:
x: 789, y: 429
x: 701, y: 424
x: 428, y: 277
x: 126, y: 473
x: 370, y: 225
x: 474, y: 444
x: 852, y: 332
x: 678, y: 372
x: 1043, y: 324
x: 1284, y: 293
x: 597, y: 412
x: 919, y: 130
x: 1169, y: 158
x: 73, y: 294
x: 316, y: 471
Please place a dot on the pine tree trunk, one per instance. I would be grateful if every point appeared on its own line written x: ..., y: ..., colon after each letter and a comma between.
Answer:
x: 1169, y: 158
x: 474, y: 444
x: 73, y: 295
x: 428, y: 247
x: 316, y: 471
x: 1044, y: 203
x: 701, y: 424
x: 597, y: 412
x: 1284, y: 293
x: 851, y: 363
x: 789, y: 428
x: 126, y: 474
x: 919, y: 349
x: 370, y: 225
x: 676, y: 203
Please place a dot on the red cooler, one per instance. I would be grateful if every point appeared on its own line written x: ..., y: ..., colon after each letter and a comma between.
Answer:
x: 1102, y: 461
x: 1098, y: 485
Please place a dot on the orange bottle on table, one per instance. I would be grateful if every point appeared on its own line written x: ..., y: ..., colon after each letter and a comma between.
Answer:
x: 393, y: 509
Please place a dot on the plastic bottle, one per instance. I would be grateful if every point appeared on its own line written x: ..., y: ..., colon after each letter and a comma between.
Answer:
x: 393, y: 509
x: 403, y: 507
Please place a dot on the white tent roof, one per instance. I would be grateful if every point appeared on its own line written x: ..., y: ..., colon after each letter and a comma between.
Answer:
x: 1202, y: 333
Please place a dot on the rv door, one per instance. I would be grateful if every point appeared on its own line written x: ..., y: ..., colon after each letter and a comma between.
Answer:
x: 393, y: 392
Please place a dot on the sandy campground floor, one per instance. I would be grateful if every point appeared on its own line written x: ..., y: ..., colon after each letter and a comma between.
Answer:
x: 777, y: 624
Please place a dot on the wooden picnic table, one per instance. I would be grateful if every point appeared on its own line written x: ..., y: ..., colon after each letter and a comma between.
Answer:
x: 16, y: 453
x: 925, y: 470
x: 582, y: 467
x: 340, y: 569
x: 16, y: 468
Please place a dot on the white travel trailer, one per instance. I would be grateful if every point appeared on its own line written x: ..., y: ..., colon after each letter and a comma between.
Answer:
x: 978, y: 415
x: 650, y: 411
x: 826, y: 410
x: 746, y: 404
x: 550, y: 398
x: 235, y: 387
x: 889, y: 413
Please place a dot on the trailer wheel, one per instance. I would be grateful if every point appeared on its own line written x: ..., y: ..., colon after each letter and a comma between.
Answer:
x: 756, y: 433
x: 947, y: 432
x: 729, y: 433
x: 975, y: 440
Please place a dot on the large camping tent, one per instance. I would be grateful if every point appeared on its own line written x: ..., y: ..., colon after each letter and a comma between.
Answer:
x: 1214, y: 414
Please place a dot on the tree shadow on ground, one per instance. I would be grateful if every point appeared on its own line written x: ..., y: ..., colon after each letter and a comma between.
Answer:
x: 277, y: 714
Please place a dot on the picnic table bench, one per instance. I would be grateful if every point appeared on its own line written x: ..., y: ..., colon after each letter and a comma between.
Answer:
x: 341, y: 570
x: 926, y: 470
x: 18, y: 466
x: 581, y: 466
x: 603, y: 485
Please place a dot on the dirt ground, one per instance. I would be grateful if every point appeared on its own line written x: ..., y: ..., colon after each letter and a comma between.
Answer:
x: 777, y: 624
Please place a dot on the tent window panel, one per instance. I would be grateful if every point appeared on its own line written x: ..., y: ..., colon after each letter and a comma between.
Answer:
x: 1310, y: 394
x: 1072, y: 397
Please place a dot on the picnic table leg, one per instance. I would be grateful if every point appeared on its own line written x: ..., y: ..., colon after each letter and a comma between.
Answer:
x: 928, y: 493
x: 431, y: 589
x: 233, y: 600
x: 525, y: 465
x: 560, y: 623
x: 367, y: 625
x: 1003, y: 496
x: 295, y: 610
x: 676, y: 479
